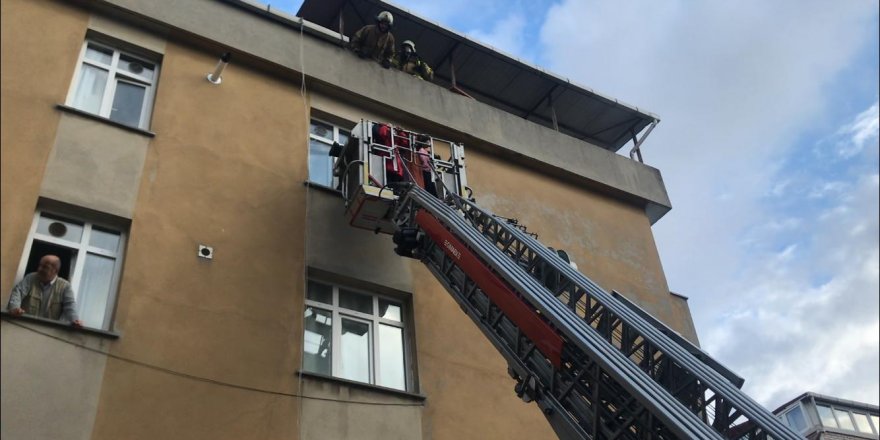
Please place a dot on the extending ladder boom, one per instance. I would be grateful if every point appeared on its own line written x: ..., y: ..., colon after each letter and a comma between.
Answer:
x: 595, y: 365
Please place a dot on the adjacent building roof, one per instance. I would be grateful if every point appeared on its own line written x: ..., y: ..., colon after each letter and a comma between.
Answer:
x: 493, y: 77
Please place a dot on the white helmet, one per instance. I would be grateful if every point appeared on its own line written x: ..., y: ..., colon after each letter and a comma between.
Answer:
x: 386, y: 17
x: 410, y: 44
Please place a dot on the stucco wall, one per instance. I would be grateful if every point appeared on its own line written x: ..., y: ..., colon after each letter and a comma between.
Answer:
x: 327, y: 415
x: 39, y: 375
x: 35, y: 72
x: 48, y: 388
x: 95, y: 165
x: 225, y: 169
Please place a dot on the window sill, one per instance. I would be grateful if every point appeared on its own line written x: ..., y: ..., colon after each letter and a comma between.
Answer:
x: 95, y: 117
x: 321, y: 187
x: 364, y: 386
x: 59, y: 324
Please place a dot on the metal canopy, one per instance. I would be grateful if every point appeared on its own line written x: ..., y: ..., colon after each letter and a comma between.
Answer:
x: 493, y: 77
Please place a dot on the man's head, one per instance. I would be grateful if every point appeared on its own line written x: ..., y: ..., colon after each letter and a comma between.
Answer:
x: 408, y: 48
x: 48, y: 268
x: 385, y: 21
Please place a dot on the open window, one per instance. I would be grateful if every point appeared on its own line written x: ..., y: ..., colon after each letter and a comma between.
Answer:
x: 91, y: 253
x: 322, y: 136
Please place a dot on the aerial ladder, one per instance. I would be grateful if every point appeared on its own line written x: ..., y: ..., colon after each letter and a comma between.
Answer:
x: 597, y: 365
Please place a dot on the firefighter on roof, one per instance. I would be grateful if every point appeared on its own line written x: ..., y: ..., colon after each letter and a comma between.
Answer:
x: 410, y: 62
x: 375, y: 40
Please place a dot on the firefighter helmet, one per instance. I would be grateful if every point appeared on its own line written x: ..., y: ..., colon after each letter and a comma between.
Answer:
x: 409, y: 43
x: 385, y: 17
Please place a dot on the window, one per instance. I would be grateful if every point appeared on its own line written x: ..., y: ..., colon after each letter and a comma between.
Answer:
x: 826, y: 416
x: 322, y: 135
x: 113, y: 84
x: 862, y: 423
x: 795, y: 419
x: 844, y: 420
x: 355, y: 335
x: 91, y: 259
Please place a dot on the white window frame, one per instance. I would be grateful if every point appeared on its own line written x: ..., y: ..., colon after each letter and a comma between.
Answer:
x: 334, y: 180
x: 78, y: 261
x: 115, y: 75
x: 373, y: 321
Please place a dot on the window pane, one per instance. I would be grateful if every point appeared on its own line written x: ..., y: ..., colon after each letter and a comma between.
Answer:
x: 94, y: 290
x: 391, y: 357
x: 876, y: 422
x: 320, y: 292
x: 355, y: 301
x: 59, y: 228
x: 389, y: 310
x: 99, y: 54
x: 355, y: 351
x: 343, y: 136
x: 136, y: 66
x: 128, y: 103
x: 104, y: 239
x: 862, y: 423
x: 844, y: 420
x: 90, y: 90
x: 826, y: 417
x: 321, y: 129
x: 317, y: 352
x: 796, y: 419
x: 320, y: 163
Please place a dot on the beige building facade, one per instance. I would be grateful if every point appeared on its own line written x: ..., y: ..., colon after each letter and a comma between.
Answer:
x: 180, y: 345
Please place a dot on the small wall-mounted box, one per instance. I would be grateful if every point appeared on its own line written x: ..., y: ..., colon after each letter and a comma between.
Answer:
x: 206, y: 252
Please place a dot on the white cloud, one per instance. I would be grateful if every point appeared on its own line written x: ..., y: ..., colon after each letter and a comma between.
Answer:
x: 862, y: 132
x: 507, y: 34
x: 778, y: 290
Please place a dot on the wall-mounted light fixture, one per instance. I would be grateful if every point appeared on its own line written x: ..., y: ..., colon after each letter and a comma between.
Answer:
x: 214, y: 77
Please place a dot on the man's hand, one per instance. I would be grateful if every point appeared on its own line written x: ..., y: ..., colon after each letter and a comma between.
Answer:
x: 18, y: 311
x: 386, y: 64
x: 78, y: 323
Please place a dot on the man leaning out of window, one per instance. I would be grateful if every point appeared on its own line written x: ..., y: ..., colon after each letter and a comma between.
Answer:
x: 43, y: 293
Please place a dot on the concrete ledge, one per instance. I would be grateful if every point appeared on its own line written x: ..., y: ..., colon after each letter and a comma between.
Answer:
x: 275, y: 39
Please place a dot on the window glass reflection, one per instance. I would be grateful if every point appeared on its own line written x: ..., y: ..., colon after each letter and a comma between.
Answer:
x: 320, y: 292
x: 320, y: 163
x: 796, y: 419
x: 354, y: 349
x: 355, y: 301
x: 317, y: 352
x: 90, y: 92
x: 321, y: 129
x: 826, y: 416
x: 128, y: 103
x: 391, y: 367
x: 99, y: 54
x: 862, y: 423
x: 94, y: 290
x: 843, y: 420
x: 104, y: 239
x: 389, y: 310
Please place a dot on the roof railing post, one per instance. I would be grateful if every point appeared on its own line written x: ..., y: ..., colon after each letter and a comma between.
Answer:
x: 553, y: 112
x: 636, y: 149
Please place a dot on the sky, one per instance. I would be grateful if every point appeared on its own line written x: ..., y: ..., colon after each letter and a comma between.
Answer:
x: 768, y: 145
